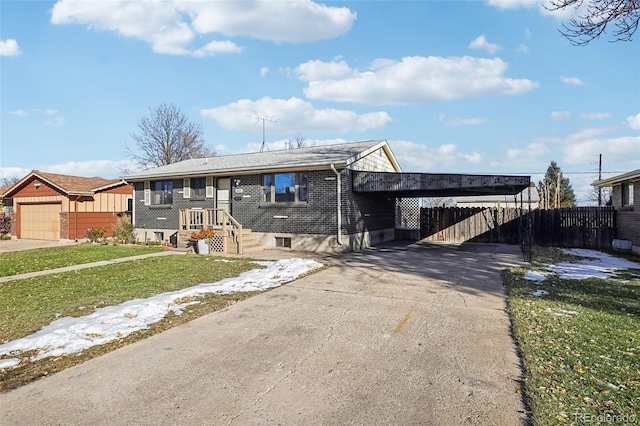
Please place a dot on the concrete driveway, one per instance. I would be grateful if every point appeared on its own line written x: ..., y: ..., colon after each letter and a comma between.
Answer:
x: 398, y: 335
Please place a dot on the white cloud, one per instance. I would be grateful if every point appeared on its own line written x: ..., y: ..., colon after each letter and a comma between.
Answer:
x: 278, y: 21
x: 264, y: 71
x: 414, y: 79
x: 481, y: 42
x: 560, y: 115
x: 19, y: 113
x: 621, y: 153
x: 634, y: 121
x: 50, y: 111
x: 422, y: 158
x: 595, y: 116
x: 572, y: 81
x: 513, y: 4
x: 9, y: 47
x: 293, y: 115
x: 56, y: 121
x: 102, y: 168
x: 457, y: 121
x: 588, y: 133
x: 523, y: 48
x: 526, y: 156
x: 172, y: 26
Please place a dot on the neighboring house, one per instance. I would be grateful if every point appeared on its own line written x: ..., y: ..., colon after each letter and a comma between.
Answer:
x: 61, y: 207
x: 626, y: 200
x: 301, y: 199
x: 520, y: 200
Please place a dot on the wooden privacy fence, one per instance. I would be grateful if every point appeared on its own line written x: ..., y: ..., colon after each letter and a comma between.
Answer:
x: 478, y: 224
x: 578, y: 227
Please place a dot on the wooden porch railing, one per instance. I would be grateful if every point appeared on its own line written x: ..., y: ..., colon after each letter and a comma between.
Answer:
x: 228, y: 237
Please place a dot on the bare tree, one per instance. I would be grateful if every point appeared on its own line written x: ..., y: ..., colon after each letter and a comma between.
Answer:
x: 298, y: 142
x: 167, y: 136
x: 434, y: 202
x: 598, y: 14
x: 9, y: 181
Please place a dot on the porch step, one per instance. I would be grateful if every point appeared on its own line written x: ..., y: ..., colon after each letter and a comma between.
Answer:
x: 249, y: 243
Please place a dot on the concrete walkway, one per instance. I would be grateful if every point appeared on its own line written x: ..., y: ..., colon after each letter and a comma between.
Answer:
x: 396, y: 335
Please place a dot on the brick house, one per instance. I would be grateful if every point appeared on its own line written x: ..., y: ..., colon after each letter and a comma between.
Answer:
x: 300, y: 199
x: 626, y: 200
x: 53, y: 206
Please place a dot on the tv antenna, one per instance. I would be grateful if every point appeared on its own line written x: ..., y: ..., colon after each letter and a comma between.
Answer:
x: 263, y: 119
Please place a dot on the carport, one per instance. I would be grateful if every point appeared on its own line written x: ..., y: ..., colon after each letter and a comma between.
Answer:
x: 408, y: 188
x: 417, y: 185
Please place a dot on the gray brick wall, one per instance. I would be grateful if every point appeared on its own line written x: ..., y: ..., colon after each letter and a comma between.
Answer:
x: 316, y: 216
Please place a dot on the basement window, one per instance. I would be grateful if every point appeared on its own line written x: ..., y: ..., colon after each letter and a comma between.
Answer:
x: 283, y: 242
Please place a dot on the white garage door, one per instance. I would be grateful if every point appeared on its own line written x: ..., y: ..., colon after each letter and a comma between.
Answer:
x: 40, y: 221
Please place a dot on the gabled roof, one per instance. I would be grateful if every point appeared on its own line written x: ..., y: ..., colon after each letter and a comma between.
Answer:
x: 316, y: 157
x: 69, y: 185
x: 629, y: 176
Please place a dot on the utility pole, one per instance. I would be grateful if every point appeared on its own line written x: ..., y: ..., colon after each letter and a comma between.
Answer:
x: 600, y: 178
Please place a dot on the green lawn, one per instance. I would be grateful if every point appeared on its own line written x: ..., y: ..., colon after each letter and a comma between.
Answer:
x: 28, y: 305
x: 21, y: 262
x: 580, y: 345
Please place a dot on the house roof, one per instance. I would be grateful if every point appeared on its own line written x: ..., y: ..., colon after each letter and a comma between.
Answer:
x: 629, y: 176
x: 316, y: 157
x: 67, y: 184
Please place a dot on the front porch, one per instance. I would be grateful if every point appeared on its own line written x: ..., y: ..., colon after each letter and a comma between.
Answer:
x: 230, y: 237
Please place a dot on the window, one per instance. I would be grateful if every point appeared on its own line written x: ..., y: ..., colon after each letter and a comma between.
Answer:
x: 283, y: 242
x: 284, y: 187
x: 162, y: 192
x: 627, y: 194
x: 198, y: 188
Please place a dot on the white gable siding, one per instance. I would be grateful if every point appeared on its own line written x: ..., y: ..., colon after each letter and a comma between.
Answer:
x: 377, y: 161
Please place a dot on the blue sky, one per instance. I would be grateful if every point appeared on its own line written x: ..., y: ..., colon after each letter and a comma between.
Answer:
x: 453, y: 86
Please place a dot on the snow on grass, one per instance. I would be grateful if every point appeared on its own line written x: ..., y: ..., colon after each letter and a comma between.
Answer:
x: 536, y: 276
x: 596, y: 265
x: 70, y: 335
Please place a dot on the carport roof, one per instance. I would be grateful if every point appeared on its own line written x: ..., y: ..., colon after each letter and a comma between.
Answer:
x: 413, y: 185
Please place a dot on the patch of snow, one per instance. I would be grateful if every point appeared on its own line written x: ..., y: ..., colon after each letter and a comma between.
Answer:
x: 539, y: 293
x: 535, y: 276
x: 562, y: 312
x: 7, y: 363
x: 597, y: 265
x: 70, y: 335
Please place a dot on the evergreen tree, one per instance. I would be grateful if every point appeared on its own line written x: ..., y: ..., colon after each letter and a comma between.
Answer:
x: 555, y: 191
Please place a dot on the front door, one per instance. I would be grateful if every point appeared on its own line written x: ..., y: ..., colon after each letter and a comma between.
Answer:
x: 223, y: 190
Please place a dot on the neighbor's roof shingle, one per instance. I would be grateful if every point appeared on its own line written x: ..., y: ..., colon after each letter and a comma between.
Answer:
x: 338, y: 154
x: 68, y: 184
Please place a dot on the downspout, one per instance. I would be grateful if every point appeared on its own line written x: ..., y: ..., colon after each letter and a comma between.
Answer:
x: 339, y: 195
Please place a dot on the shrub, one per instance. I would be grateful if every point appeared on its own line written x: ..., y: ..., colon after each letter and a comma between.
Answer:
x: 203, y: 234
x: 123, y: 229
x: 96, y: 234
x: 5, y: 223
